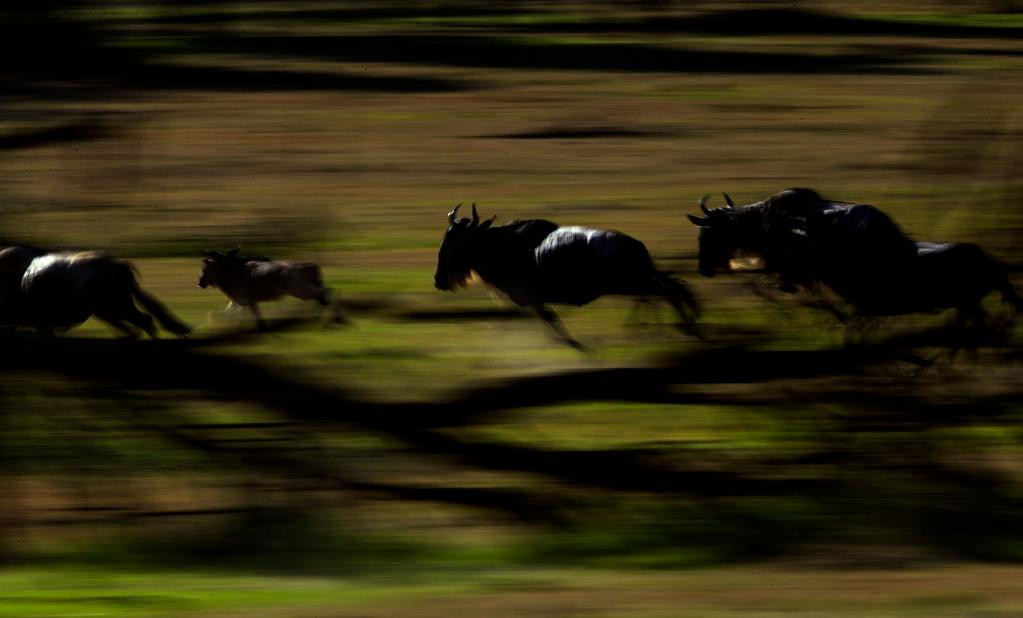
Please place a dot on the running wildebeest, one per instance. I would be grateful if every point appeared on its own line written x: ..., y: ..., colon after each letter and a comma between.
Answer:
x: 536, y: 262
x: 855, y: 250
x: 58, y: 291
x: 804, y: 239
x: 249, y: 280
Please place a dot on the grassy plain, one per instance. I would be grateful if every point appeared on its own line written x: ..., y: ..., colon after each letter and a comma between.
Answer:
x: 443, y: 455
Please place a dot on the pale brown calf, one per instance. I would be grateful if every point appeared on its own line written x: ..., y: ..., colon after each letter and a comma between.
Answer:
x: 248, y: 281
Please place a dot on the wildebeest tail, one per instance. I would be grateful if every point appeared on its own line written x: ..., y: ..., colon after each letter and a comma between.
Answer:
x: 1011, y: 297
x: 1002, y: 283
x: 150, y: 304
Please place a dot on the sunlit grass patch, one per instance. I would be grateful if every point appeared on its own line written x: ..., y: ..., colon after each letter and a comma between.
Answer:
x: 935, y: 591
x: 71, y: 592
x: 620, y: 425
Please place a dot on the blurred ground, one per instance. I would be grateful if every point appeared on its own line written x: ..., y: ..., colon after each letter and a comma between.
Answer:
x: 445, y: 455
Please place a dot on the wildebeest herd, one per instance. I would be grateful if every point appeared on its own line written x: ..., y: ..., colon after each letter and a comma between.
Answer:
x: 856, y: 251
x: 807, y: 244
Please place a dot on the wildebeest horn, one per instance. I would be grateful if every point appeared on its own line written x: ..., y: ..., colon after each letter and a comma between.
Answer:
x: 703, y: 204
x: 488, y: 222
x: 453, y: 214
x: 475, y: 215
x: 728, y: 201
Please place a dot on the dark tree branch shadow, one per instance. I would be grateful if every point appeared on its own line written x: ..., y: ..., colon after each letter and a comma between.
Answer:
x: 131, y: 374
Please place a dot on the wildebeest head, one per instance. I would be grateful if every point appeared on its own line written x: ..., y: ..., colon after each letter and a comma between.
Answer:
x: 719, y: 236
x: 213, y: 263
x: 454, y: 261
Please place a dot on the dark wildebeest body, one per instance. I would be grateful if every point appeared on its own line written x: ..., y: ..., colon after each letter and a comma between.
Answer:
x: 14, y: 262
x: 804, y: 239
x: 942, y: 276
x: 536, y: 262
x: 248, y: 280
x: 58, y: 291
x: 857, y: 251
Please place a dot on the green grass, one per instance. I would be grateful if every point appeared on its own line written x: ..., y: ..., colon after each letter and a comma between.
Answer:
x: 69, y: 592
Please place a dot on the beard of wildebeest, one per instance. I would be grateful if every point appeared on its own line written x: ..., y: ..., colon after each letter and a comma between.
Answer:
x: 453, y: 269
x: 715, y: 253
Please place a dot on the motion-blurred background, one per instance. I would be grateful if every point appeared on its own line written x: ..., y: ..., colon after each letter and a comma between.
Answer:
x: 445, y: 455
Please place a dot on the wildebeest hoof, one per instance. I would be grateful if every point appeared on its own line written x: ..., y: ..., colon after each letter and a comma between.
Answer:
x: 693, y: 331
x: 340, y: 320
x: 578, y: 346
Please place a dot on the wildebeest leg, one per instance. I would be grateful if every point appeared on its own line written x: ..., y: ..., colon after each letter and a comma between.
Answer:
x: 157, y: 312
x: 764, y: 289
x: 638, y: 305
x: 337, y: 312
x: 327, y: 298
x: 126, y: 310
x: 214, y: 317
x: 555, y: 322
x: 120, y: 308
x: 828, y: 307
x: 1010, y: 296
x: 686, y: 324
x: 119, y: 324
x: 813, y: 299
x: 144, y: 322
x: 254, y: 308
x: 970, y: 330
x: 854, y: 328
x: 682, y: 299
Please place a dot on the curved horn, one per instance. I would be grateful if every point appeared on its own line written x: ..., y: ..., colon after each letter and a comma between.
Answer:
x: 453, y: 214
x: 728, y: 201
x: 475, y: 215
x: 488, y: 222
x: 703, y: 204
